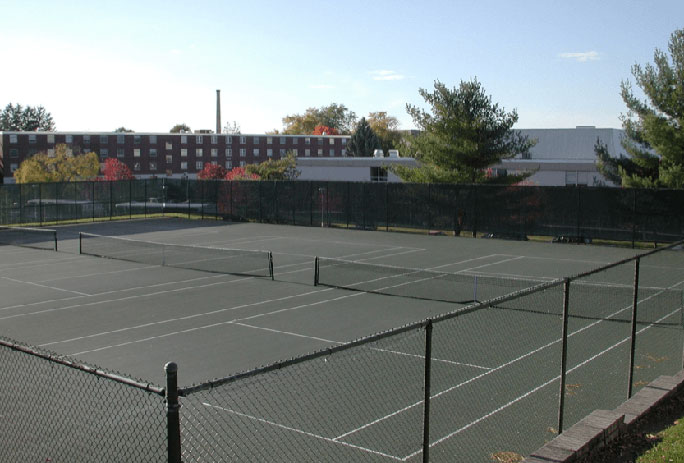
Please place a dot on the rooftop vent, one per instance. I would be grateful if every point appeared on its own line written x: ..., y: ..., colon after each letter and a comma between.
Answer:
x: 394, y: 153
x: 378, y: 154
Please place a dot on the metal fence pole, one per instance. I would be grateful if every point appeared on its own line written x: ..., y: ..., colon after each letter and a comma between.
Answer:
x: 92, y: 189
x: 202, y: 199
x: 145, y: 198
x: 386, y: 206
x: 261, y: 213
x: 348, y: 203
x: 634, y: 215
x: 426, y: 388
x: 130, y: 199
x: 475, y: 211
x: 429, y: 206
x: 564, y: 354
x: 40, y: 204
x: 173, y: 413
x: 634, y: 327
x: 579, y: 208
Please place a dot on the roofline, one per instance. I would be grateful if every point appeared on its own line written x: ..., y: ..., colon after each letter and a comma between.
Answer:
x: 9, y: 132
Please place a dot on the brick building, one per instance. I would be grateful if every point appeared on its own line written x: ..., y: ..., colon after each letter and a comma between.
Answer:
x: 167, y: 154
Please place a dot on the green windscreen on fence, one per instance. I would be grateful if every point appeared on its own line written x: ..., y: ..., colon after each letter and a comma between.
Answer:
x: 206, y: 259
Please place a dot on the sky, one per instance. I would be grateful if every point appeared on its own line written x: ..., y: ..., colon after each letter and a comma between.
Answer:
x: 148, y: 65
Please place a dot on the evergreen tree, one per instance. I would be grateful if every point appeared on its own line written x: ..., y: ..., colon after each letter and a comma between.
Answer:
x: 654, y: 128
x: 462, y: 137
x: 26, y: 119
x: 363, y: 141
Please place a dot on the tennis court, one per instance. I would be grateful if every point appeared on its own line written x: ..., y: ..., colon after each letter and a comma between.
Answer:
x: 495, y: 371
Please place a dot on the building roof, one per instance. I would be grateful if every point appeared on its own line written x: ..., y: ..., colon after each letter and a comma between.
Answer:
x: 573, y: 144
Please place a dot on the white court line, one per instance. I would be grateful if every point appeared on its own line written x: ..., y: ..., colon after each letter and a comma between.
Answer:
x: 299, y: 431
x: 552, y: 380
x: 124, y: 290
x: 127, y: 298
x: 30, y: 283
x: 390, y: 255
x: 500, y: 367
x: 422, y: 357
x: 492, y: 263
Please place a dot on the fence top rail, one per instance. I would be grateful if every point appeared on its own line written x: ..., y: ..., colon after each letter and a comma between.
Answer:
x: 300, y: 359
x: 626, y: 260
x: 85, y: 368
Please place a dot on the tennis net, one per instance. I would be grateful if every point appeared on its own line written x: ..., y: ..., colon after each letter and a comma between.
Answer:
x: 415, y: 283
x: 202, y: 258
x: 39, y: 238
x: 588, y: 300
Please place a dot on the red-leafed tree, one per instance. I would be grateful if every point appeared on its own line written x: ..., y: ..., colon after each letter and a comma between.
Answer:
x: 324, y: 129
x: 212, y: 172
x: 239, y: 173
x: 116, y: 170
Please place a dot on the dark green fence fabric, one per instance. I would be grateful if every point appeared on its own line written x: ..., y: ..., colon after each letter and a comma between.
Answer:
x: 576, y: 213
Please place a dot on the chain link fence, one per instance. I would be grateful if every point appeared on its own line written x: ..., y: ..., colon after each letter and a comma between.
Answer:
x: 489, y: 380
x: 54, y: 409
x: 567, y: 213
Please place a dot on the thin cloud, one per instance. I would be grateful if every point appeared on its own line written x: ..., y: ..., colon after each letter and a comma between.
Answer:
x: 582, y: 57
x: 386, y: 75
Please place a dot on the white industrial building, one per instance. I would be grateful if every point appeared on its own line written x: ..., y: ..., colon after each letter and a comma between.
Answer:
x: 560, y: 157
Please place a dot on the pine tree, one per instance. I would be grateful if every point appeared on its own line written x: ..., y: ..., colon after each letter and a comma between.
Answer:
x: 654, y: 128
x: 363, y: 141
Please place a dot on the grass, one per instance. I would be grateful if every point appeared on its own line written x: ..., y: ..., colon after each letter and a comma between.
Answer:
x: 671, y: 445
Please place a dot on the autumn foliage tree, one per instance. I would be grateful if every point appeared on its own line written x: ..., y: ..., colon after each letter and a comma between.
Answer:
x: 115, y: 170
x: 325, y: 130
x: 60, y: 166
x: 275, y: 169
x: 212, y: 172
x: 240, y: 173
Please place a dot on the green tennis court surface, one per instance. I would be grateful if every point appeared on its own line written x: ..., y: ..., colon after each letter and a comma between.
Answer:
x: 495, y: 371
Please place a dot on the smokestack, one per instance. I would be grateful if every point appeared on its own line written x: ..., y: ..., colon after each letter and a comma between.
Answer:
x: 218, y: 111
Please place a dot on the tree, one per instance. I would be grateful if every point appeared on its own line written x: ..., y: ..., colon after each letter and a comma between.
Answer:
x: 280, y: 169
x: 654, y: 128
x: 62, y: 166
x: 324, y: 130
x: 463, y: 135
x: 115, y: 170
x: 212, y: 172
x: 363, y: 141
x: 335, y: 116
x: 180, y: 128
x: 232, y: 128
x: 385, y: 127
x: 123, y: 129
x: 26, y: 119
x: 239, y: 173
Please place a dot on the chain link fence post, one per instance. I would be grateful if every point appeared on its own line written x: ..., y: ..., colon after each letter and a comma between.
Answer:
x: 634, y: 327
x: 564, y: 354
x: 426, y: 403
x: 173, y: 413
